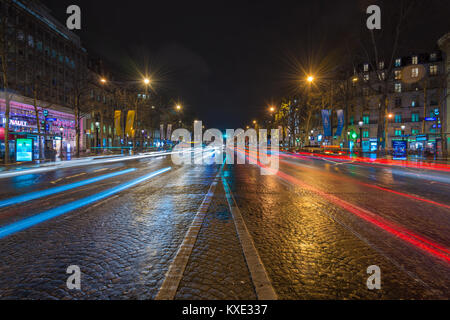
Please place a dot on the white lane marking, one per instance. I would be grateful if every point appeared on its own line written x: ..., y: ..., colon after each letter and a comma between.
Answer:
x: 171, y: 283
x: 263, y: 285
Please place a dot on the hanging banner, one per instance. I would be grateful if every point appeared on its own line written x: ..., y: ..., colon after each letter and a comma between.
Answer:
x: 161, y: 132
x: 341, y: 120
x: 326, y: 123
x: 169, y: 132
x: 129, y: 130
x: 117, y: 123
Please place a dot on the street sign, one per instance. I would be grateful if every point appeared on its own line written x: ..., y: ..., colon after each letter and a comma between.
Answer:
x: 430, y: 119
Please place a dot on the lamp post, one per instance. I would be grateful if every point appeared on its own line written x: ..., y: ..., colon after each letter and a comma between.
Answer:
x: 361, y: 124
x: 97, y: 126
x: 61, y: 130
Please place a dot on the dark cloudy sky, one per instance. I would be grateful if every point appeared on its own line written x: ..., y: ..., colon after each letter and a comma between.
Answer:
x: 226, y: 60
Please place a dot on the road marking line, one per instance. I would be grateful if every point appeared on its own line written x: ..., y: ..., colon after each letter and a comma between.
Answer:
x: 261, y: 281
x: 173, y: 278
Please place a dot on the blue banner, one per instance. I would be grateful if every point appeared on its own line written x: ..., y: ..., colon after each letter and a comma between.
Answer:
x: 326, y: 123
x: 341, y: 120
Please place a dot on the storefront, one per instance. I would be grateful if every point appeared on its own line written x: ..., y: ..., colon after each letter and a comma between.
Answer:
x: 57, y: 129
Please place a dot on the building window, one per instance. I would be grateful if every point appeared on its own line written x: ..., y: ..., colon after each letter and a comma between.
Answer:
x: 398, y: 62
x: 398, y: 75
x: 366, y: 134
x: 398, y: 118
x: 398, y: 87
x: 415, y: 60
x: 415, y: 72
x: 381, y: 65
x: 352, y: 120
x: 433, y: 57
x: 415, y: 131
x: 398, y: 102
x: 366, y: 77
x: 398, y: 132
x: 415, y: 117
x: 383, y: 76
x: 366, y: 119
x: 366, y: 67
x: 433, y: 70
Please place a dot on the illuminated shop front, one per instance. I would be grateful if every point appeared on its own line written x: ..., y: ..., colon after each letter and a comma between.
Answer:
x: 56, y: 126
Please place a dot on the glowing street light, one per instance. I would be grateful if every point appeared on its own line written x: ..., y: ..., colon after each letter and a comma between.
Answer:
x: 103, y: 80
x: 178, y: 107
x: 146, y: 81
x: 272, y: 109
x: 310, y: 79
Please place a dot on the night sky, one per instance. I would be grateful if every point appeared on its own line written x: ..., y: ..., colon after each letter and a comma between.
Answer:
x: 227, y: 60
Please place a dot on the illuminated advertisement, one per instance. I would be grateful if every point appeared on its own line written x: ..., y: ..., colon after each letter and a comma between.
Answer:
x: 24, y: 150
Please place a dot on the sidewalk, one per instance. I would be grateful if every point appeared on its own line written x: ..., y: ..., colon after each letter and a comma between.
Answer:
x: 19, y: 166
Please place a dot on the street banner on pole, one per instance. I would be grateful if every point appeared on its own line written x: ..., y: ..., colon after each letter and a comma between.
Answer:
x: 340, y: 117
x: 129, y: 130
x: 161, y: 132
x: 169, y: 132
x: 326, y: 123
x: 117, y: 122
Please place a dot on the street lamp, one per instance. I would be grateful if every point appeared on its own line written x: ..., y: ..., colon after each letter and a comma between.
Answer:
x: 103, y: 80
x: 147, y: 81
x: 361, y: 124
x: 310, y: 79
x: 97, y: 126
x: 61, y: 130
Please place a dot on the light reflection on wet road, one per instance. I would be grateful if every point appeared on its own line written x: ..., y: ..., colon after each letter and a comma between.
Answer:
x: 312, y: 248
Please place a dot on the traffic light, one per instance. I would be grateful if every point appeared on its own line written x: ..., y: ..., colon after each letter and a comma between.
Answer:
x: 46, y: 113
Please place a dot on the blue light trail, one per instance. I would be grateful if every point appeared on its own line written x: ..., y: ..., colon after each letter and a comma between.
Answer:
x: 53, y: 213
x: 45, y: 193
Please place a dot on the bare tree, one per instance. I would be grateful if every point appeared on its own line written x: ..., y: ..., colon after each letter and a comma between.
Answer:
x: 5, y: 60
x: 380, y: 49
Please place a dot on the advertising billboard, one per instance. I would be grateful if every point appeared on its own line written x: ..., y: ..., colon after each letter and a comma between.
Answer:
x: 24, y: 150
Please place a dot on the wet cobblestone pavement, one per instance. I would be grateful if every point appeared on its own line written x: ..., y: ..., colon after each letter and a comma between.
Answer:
x: 217, y: 268
x: 310, y: 244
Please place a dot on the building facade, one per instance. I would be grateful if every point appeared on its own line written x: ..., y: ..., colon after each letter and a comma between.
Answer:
x: 44, y: 61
